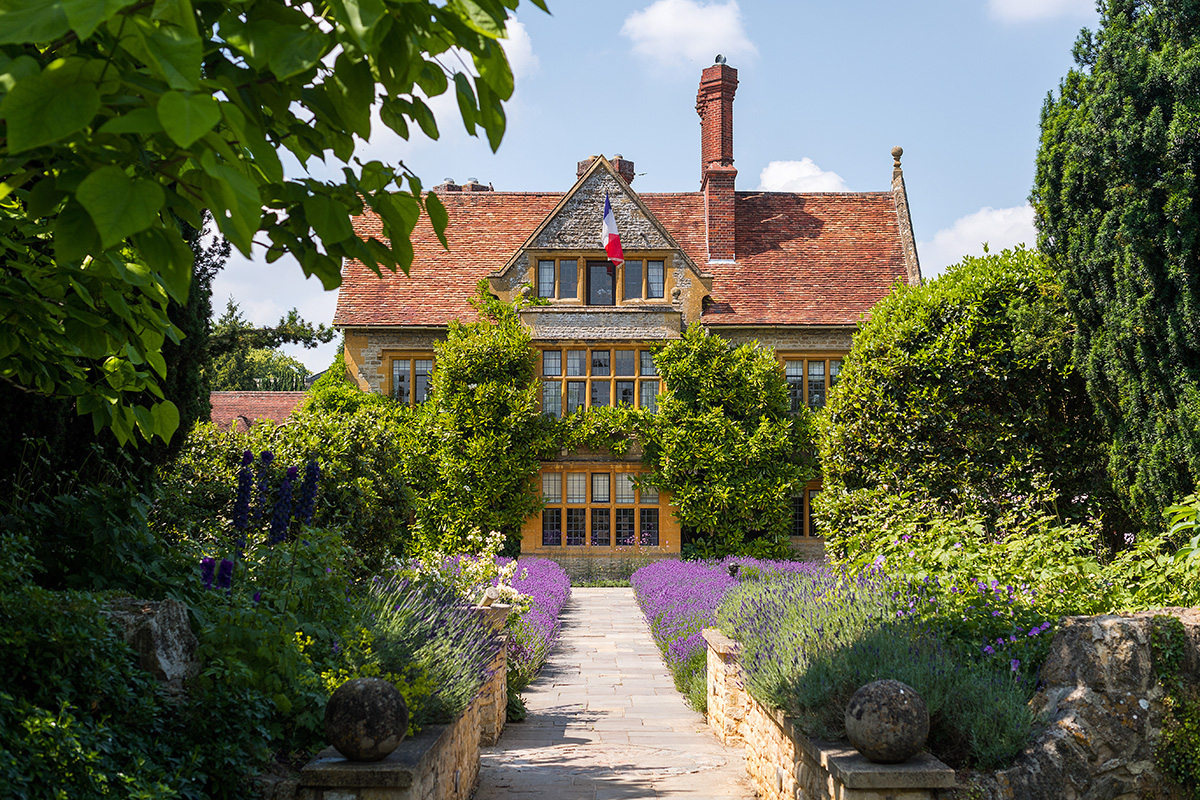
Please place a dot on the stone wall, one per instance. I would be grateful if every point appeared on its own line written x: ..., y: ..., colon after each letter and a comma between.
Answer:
x: 785, y: 764
x: 788, y: 340
x: 365, y: 352
x: 1100, y: 705
x: 439, y: 763
x: 1103, y: 710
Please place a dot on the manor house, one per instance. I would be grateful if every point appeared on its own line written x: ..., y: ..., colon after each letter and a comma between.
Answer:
x: 795, y: 272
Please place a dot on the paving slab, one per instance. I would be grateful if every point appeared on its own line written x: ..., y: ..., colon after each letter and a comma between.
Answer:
x: 605, y: 721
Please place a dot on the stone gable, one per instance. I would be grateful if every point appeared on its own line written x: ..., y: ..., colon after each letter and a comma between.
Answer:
x: 577, y: 224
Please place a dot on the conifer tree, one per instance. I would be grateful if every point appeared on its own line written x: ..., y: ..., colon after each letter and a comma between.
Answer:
x: 1117, y: 197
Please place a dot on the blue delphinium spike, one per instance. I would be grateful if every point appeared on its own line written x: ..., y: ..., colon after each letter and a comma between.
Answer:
x: 281, y: 517
x: 225, y: 574
x: 207, y: 567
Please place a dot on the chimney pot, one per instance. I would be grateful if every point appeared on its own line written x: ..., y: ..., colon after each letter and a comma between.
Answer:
x: 583, y: 166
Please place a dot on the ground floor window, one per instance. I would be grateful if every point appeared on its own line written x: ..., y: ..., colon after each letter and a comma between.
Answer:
x: 598, y: 508
x: 803, y: 524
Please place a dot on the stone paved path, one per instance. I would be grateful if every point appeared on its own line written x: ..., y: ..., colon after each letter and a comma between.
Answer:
x: 605, y: 721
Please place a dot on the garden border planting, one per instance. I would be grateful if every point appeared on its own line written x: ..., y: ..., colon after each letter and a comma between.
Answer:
x: 785, y: 764
x: 439, y: 763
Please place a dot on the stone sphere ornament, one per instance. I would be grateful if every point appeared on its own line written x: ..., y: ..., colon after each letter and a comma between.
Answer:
x: 366, y: 719
x: 887, y: 722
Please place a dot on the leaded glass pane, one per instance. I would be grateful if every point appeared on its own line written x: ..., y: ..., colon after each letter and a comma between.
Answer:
x: 625, y: 393
x: 601, y: 392
x: 422, y: 369
x: 568, y: 270
x: 625, y: 362
x: 649, y: 395
x: 552, y: 398
x: 650, y: 495
x: 400, y: 380
x: 798, y: 516
x: 576, y: 362
x: 633, y: 279
x: 623, y: 491
x: 552, y: 362
x: 649, y: 533
x: 794, y: 374
x: 648, y: 367
x: 600, y: 283
x: 576, y: 527
x: 816, y: 384
x: 552, y: 488
x: 812, y: 523
x: 600, y: 487
x: 654, y: 279
x: 545, y: 279
x: 552, y: 527
x: 575, y: 395
x: 601, y: 535
x: 601, y: 361
x: 576, y: 487
x: 835, y: 369
x: 625, y: 521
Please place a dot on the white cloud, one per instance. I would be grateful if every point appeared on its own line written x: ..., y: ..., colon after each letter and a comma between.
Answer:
x: 519, y: 49
x: 799, y: 176
x: 998, y: 227
x: 1031, y: 10
x: 682, y: 33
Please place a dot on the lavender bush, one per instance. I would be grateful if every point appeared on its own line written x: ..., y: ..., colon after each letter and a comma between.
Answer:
x: 534, y: 633
x: 809, y: 641
x: 680, y: 599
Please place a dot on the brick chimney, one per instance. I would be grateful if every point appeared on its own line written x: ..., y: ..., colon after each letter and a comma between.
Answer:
x: 714, y: 104
x: 624, y: 168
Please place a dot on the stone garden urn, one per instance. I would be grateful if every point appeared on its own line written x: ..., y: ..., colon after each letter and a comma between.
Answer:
x: 366, y: 719
x: 887, y: 722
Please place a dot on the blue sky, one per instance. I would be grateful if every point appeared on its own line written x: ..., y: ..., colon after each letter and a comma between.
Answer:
x: 826, y: 89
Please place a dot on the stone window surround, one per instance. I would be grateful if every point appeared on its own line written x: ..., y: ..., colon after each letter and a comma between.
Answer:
x: 638, y: 378
x: 390, y: 357
x: 590, y: 471
x: 785, y: 356
x: 581, y: 259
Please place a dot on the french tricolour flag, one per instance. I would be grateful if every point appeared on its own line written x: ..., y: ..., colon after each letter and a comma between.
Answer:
x: 609, y: 238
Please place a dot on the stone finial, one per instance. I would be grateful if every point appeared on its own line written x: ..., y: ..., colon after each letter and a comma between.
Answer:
x: 896, y: 153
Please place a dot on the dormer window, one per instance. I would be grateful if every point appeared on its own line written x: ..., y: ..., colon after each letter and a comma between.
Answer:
x: 601, y: 283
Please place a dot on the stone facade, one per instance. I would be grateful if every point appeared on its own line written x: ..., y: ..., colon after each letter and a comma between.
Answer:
x: 366, y: 352
x: 619, y: 324
x: 791, y: 340
x: 576, y: 226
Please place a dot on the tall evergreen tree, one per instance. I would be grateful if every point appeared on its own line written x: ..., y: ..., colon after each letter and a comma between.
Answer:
x: 1117, y: 197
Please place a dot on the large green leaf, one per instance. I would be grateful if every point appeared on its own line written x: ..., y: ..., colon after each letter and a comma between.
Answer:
x: 187, y: 117
x: 25, y: 21
x: 118, y: 205
x: 140, y: 121
x: 175, y: 52
x: 84, y: 16
x: 59, y: 102
x: 328, y: 218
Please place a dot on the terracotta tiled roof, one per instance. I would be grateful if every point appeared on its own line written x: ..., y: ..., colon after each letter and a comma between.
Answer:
x: 485, y: 229
x: 802, y: 259
x: 242, y: 409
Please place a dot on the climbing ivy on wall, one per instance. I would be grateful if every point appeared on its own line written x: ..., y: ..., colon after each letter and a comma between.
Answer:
x: 1178, y: 751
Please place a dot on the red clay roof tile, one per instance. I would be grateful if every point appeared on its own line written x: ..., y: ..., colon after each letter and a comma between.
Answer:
x: 802, y: 259
x: 242, y: 409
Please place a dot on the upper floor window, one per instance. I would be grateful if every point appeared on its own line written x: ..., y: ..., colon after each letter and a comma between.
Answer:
x: 598, y: 376
x: 809, y: 380
x: 600, y: 282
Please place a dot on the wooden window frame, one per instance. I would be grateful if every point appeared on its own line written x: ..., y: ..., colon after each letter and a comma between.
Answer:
x: 805, y: 529
x: 826, y: 356
x: 640, y: 503
x: 392, y: 357
x: 588, y: 378
x: 583, y: 278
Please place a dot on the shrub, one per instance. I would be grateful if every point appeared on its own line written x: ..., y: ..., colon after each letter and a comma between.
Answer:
x: 723, y: 444
x: 962, y: 392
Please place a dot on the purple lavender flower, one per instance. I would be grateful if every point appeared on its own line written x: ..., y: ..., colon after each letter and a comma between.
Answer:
x: 257, y: 597
x: 207, y: 567
x: 225, y: 574
x: 1015, y: 664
